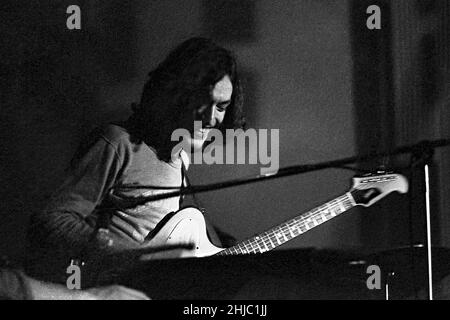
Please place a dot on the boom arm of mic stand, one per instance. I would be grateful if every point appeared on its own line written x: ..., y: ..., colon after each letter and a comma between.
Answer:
x: 298, y: 169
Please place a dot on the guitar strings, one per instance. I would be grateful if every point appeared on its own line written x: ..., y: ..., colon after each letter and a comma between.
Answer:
x: 287, y: 230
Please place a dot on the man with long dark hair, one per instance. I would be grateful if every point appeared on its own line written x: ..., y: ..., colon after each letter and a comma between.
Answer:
x: 198, y: 81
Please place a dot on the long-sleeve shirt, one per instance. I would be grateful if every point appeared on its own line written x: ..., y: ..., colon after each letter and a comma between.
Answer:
x: 65, y: 228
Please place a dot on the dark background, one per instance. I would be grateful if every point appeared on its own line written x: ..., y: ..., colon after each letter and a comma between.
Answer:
x: 312, y: 69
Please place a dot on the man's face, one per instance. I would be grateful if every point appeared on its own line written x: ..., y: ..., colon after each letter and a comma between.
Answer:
x: 212, y: 113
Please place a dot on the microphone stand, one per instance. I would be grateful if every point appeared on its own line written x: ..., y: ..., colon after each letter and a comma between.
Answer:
x: 424, y: 155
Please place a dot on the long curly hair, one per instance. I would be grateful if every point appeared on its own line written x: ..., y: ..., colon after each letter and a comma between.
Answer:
x: 179, y: 85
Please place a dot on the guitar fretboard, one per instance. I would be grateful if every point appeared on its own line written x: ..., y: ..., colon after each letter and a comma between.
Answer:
x: 290, y: 229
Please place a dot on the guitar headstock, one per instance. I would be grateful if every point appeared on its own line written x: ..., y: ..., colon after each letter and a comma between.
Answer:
x: 369, y: 189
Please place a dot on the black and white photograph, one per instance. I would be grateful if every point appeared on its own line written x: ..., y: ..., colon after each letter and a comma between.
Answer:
x: 225, y: 154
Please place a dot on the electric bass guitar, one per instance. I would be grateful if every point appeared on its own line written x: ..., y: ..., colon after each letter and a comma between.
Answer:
x: 187, y: 226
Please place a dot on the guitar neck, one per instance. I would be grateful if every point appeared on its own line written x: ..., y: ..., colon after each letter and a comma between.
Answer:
x: 291, y: 229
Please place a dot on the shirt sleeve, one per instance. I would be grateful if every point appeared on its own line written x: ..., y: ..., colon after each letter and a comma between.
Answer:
x: 62, y: 225
x: 13, y: 285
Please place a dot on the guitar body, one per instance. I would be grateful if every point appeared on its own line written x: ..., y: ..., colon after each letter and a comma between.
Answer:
x: 186, y: 226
